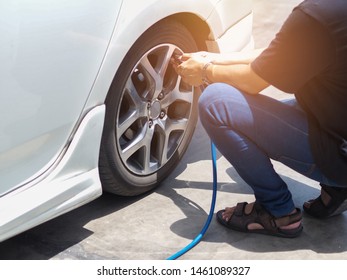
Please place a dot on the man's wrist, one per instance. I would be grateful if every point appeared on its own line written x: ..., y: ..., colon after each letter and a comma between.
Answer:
x: 204, y: 76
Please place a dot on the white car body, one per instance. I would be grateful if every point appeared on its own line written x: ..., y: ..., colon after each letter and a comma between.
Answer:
x: 57, y: 61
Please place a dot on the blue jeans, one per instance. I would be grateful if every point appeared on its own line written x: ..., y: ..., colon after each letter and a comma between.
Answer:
x: 249, y: 130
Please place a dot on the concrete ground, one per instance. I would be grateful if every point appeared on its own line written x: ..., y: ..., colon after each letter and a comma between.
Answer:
x: 154, y: 226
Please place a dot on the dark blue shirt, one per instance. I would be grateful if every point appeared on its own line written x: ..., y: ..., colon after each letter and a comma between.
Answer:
x: 308, y: 57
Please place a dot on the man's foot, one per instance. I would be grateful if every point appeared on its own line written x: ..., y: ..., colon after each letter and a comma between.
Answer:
x: 254, y: 218
x: 331, y: 202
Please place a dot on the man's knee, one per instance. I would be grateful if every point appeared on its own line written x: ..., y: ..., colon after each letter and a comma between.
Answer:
x: 213, y: 94
x: 205, y: 102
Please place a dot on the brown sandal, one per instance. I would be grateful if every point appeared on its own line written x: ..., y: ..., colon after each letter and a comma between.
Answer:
x: 337, y: 203
x: 271, y: 226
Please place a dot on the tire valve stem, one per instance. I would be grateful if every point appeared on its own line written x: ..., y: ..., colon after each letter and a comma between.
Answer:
x: 162, y: 114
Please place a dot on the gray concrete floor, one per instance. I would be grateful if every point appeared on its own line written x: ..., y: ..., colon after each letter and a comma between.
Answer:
x: 159, y: 224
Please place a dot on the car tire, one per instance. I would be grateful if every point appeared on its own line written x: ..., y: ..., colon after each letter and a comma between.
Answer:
x: 151, y: 113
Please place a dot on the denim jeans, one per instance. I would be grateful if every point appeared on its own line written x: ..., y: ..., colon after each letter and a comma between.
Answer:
x: 249, y: 130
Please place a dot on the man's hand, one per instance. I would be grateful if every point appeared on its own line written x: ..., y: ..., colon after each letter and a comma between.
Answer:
x: 233, y: 69
x: 191, y: 67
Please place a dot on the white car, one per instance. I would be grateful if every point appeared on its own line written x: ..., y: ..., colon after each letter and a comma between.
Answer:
x: 89, y: 101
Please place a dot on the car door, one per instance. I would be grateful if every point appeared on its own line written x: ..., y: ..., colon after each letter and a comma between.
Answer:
x: 50, y: 55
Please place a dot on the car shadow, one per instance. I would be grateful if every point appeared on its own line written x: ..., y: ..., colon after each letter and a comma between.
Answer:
x: 58, y: 235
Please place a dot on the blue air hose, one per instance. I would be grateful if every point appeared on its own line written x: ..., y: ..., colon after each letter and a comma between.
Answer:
x: 198, y: 238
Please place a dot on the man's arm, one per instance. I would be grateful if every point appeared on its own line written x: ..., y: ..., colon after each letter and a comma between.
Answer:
x: 240, y: 76
x: 234, y: 69
x: 243, y: 57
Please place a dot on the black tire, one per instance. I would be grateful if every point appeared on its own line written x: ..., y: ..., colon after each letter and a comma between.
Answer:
x: 150, y: 113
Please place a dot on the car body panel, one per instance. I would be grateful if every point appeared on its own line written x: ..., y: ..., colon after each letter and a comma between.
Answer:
x: 58, y: 59
x: 71, y: 182
x: 50, y: 53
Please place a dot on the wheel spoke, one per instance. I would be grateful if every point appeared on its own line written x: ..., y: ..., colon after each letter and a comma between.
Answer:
x: 165, y: 141
x: 176, y: 125
x: 127, y: 122
x: 178, y: 95
x: 163, y: 158
x: 152, y: 77
x: 137, y: 108
x: 167, y: 54
x: 142, y: 140
x: 131, y: 91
